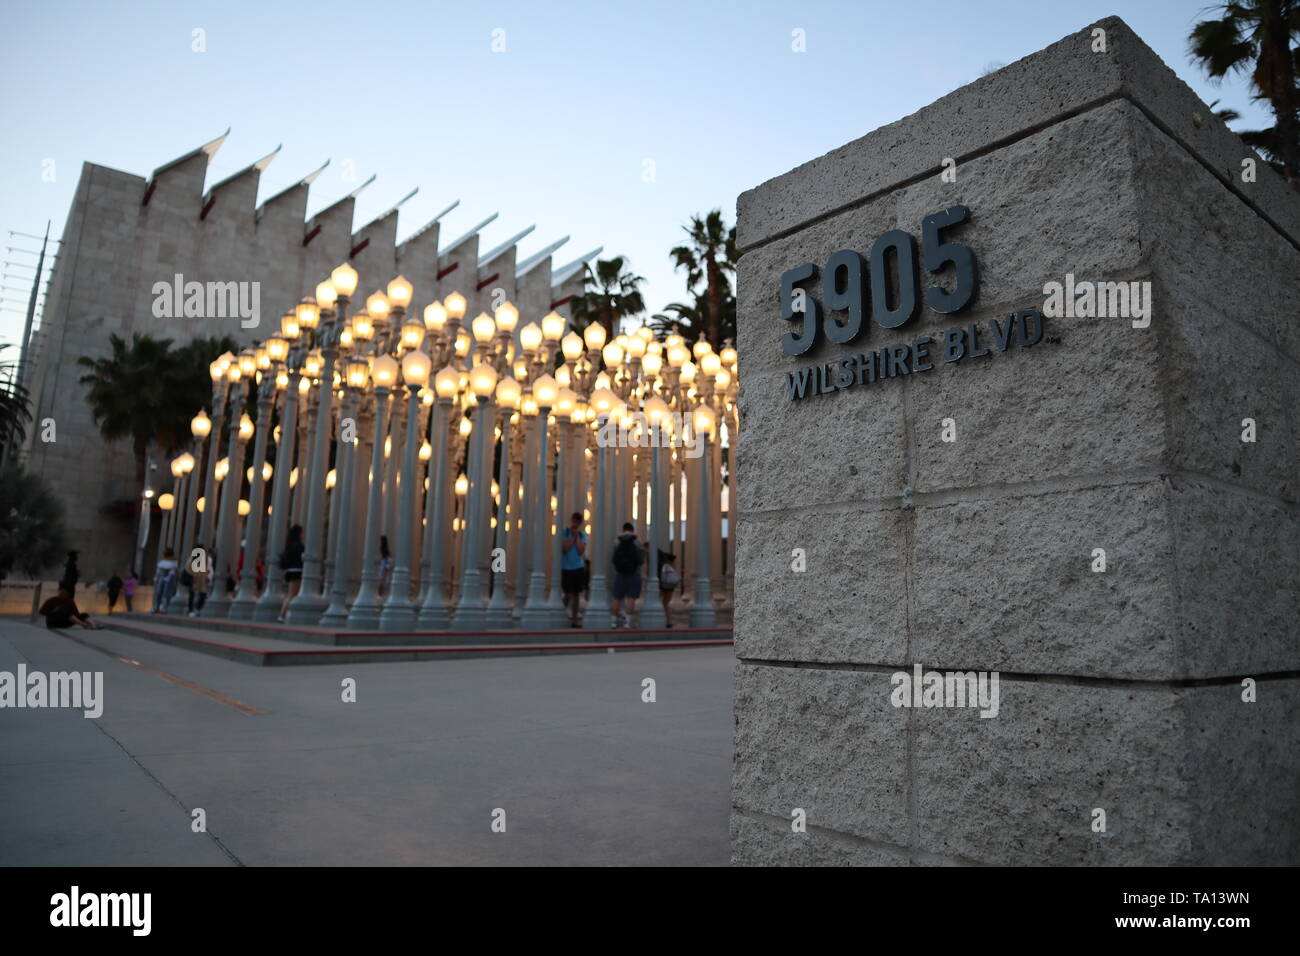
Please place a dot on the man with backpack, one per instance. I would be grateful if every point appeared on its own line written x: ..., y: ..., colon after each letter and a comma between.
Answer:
x: 627, y: 557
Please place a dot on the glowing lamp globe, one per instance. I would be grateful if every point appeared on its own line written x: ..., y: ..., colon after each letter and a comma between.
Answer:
x: 344, y: 278
x: 447, y: 382
x: 400, y: 291
x: 384, y: 371
x: 507, y: 317
x: 415, y: 368
x: 594, y: 335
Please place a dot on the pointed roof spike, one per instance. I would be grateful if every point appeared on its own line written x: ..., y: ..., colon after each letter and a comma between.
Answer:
x: 388, y: 212
x: 311, y: 177
x: 341, y: 200
x: 566, y: 271
x: 428, y: 225
x: 488, y: 257
x: 209, y: 147
x: 537, y: 258
x: 260, y: 166
x: 265, y: 161
x: 469, y: 235
x: 357, y: 191
x: 305, y: 181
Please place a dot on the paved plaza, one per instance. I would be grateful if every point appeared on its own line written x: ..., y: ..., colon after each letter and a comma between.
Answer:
x: 411, y: 773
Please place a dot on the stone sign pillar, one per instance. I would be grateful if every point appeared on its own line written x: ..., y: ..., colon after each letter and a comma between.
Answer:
x: 1019, y: 546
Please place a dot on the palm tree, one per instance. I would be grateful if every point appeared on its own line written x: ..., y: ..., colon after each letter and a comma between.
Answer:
x: 148, y: 391
x: 1257, y: 36
x: 193, y: 384
x: 612, y: 292
x: 132, y: 395
x: 689, y: 319
x: 709, y: 258
x: 32, y: 535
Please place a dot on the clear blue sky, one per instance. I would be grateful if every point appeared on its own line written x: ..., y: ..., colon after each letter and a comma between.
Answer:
x: 555, y: 130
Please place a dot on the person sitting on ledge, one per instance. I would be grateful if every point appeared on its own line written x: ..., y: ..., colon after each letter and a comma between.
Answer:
x: 61, y: 611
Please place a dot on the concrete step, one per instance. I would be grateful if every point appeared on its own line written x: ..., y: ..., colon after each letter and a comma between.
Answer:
x: 342, y: 638
x: 265, y: 651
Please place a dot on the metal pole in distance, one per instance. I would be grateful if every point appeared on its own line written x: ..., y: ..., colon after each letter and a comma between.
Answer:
x: 218, y: 603
x: 308, y: 606
x: 399, y: 611
x: 652, y: 610
x: 597, y: 547
x: 702, y: 612
x: 241, y: 609
x: 366, y: 608
x: 433, y: 612
x: 536, y: 616
x: 498, y: 613
x: 268, y: 605
x: 336, y: 615
x: 469, y: 614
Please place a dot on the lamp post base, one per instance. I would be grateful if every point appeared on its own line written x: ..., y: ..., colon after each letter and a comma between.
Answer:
x: 268, y: 605
x: 596, y: 617
x: 306, y: 609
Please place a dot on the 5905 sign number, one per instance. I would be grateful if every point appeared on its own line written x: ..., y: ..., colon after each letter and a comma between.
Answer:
x: 848, y: 281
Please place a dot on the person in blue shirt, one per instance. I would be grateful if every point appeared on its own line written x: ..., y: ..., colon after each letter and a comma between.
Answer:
x: 573, y: 568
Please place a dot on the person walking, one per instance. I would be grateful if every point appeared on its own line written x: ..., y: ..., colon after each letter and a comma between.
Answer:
x: 670, y: 579
x: 291, y: 565
x: 626, y: 559
x: 573, y: 568
x: 199, y: 583
x: 71, y: 573
x: 164, y: 581
x: 128, y: 589
x: 385, y: 565
x: 114, y: 587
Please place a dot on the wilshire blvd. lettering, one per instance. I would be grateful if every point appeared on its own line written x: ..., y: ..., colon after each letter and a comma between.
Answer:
x: 1022, y: 329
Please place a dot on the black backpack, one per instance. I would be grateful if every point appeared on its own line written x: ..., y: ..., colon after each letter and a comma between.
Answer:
x: 627, y: 556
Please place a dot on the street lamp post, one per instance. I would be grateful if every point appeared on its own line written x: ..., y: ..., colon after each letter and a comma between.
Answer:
x: 220, y: 392
x: 434, y: 613
x: 499, y: 614
x: 652, y: 611
x: 536, y: 616
x: 223, y: 550
x: 602, y: 402
x: 308, y: 606
x: 366, y: 608
x: 268, y: 605
x: 241, y: 609
x: 469, y: 614
x: 399, y: 611
x: 702, y: 611
x: 355, y: 372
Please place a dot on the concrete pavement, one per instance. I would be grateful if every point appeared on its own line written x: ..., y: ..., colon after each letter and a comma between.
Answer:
x: 410, y: 773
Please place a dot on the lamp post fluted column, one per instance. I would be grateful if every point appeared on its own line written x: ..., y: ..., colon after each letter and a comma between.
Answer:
x: 599, y: 600
x: 399, y: 611
x: 702, y: 611
x: 498, y: 615
x: 536, y: 616
x: 218, y: 603
x: 308, y: 606
x: 366, y: 608
x: 220, y: 393
x: 268, y: 605
x: 241, y: 609
x: 469, y: 614
x: 340, y: 543
x: 433, y: 614
x: 652, y: 610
